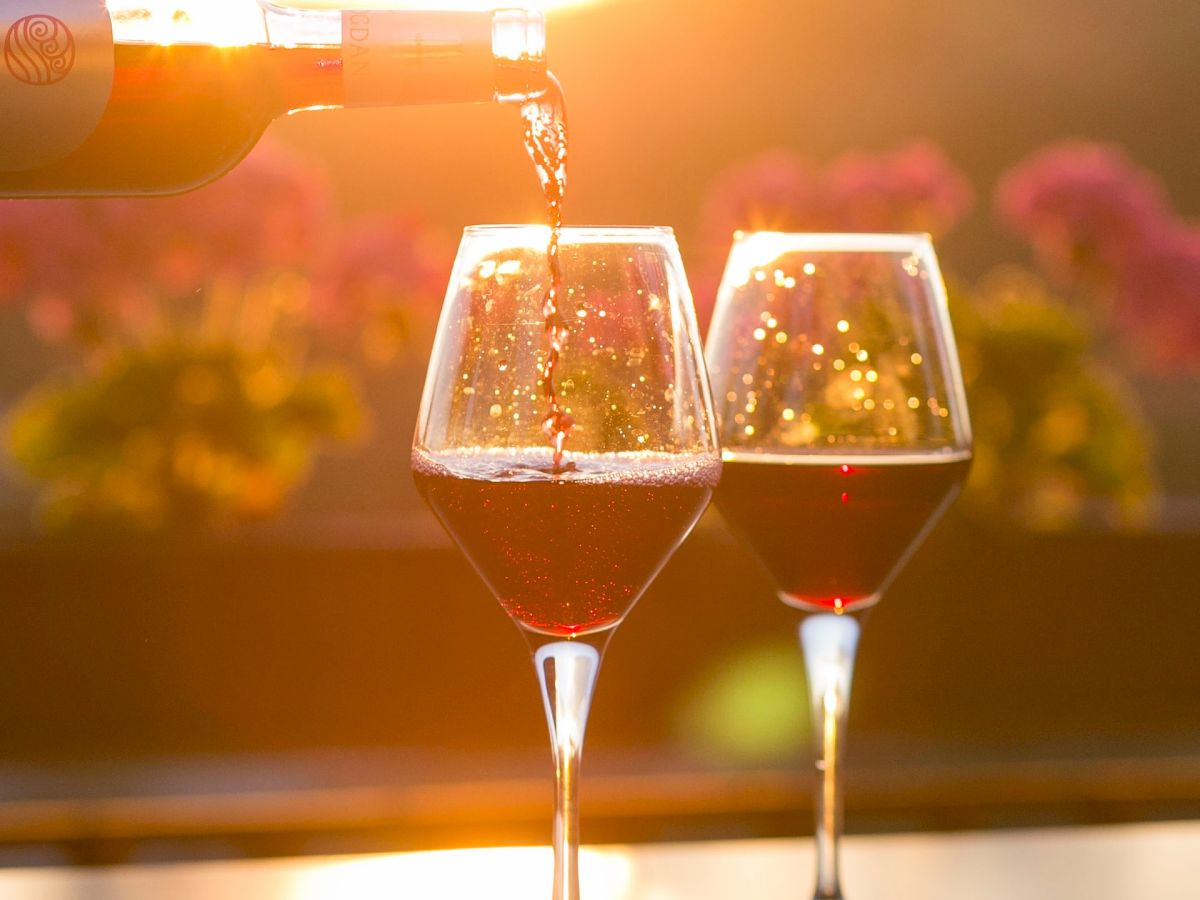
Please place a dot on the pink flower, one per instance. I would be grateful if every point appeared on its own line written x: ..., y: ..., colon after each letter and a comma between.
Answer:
x: 1086, y: 209
x: 49, y: 246
x: 52, y: 318
x: 384, y: 262
x: 116, y: 260
x: 16, y: 262
x: 1158, y: 301
x: 912, y: 188
x: 776, y: 191
x: 272, y: 212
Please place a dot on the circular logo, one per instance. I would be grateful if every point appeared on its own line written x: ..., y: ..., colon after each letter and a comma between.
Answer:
x: 39, y: 50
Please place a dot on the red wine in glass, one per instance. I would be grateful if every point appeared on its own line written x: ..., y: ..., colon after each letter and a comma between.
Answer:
x: 831, y: 530
x: 566, y: 554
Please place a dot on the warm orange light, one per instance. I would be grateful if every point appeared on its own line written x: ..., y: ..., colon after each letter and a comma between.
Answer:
x: 222, y: 23
x: 544, y: 5
x: 510, y: 873
x: 237, y: 23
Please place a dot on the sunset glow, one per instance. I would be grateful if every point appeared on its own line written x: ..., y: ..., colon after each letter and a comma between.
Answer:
x: 232, y: 23
x: 544, y: 5
x: 227, y: 23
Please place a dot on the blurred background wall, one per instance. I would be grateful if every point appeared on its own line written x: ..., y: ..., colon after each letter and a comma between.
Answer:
x: 665, y: 94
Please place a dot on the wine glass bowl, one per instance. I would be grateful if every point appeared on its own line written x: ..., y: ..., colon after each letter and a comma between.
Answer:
x: 844, y: 425
x: 840, y: 406
x: 567, y: 552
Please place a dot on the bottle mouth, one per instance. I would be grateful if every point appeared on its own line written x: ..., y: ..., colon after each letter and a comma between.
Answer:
x: 519, y: 52
x: 519, y: 35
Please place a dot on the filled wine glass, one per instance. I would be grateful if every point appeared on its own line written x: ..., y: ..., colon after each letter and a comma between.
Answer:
x: 841, y: 412
x: 566, y: 441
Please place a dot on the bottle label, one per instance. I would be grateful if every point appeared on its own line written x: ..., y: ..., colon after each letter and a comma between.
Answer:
x: 401, y: 57
x: 55, y: 80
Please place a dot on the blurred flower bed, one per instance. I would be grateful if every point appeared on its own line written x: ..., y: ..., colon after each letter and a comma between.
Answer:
x: 1110, y: 291
x: 203, y: 346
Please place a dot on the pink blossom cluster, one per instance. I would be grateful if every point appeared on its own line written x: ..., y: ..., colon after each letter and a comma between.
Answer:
x: 380, y: 262
x: 914, y: 187
x: 775, y: 191
x: 90, y: 268
x: 270, y: 211
x: 1158, y: 301
x: 1085, y: 208
x: 1100, y: 224
x: 111, y: 263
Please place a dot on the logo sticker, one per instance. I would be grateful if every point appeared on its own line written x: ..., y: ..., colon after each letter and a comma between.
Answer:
x: 55, y: 80
x: 39, y: 50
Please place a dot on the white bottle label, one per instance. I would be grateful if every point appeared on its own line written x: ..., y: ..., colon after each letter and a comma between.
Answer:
x: 399, y: 57
x: 55, y: 79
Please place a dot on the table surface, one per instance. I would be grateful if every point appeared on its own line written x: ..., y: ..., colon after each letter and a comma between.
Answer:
x: 1160, y: 860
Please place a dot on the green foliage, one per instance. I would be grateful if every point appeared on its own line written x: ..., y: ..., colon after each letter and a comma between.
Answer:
x: 177, y: 437
x: 1058, y: 437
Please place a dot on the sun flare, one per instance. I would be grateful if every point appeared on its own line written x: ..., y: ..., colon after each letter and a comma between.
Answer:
x: 544, y: 5
x: 231, y: 23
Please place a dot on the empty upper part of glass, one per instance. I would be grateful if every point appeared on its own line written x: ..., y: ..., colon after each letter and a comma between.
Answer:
x: 838, y: 344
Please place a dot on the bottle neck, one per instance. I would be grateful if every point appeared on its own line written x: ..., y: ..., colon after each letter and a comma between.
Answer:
x: 404, y: 58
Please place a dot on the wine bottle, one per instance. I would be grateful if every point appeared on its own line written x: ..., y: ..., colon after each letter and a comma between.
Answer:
x: 141, y: 97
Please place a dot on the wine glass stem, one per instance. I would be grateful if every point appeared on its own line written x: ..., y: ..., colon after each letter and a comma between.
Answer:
x: 567, y: 673
x: 829, y: 643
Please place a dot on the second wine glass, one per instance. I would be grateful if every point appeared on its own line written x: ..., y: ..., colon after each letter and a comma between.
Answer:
x: 568, y: 479
x: 845, y: 436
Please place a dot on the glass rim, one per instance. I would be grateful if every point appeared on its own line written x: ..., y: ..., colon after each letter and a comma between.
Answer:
x: 840, y: 241
x: 577, y: 233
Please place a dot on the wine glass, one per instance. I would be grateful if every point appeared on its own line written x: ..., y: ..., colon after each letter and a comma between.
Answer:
x: 845, y: 433
x: 567, y: 478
